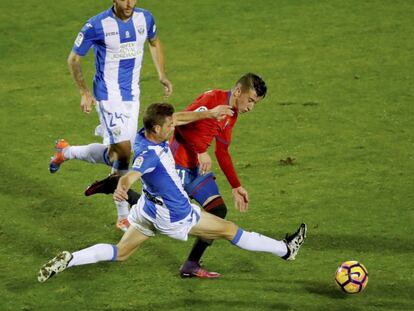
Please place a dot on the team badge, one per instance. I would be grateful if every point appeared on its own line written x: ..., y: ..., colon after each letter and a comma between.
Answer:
x: 116, y: 131
x: 138, y: 162
x: 141, y: 30
x: 79, y: 39
x: 201, y: 108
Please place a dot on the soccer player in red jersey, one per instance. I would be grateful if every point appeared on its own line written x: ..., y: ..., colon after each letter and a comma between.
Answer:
x: 190, y: 149
x: 190, y: 146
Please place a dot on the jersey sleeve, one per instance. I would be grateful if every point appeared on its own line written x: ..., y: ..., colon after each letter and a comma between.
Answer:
x: 85, y: 39
x: 145, y: 162
x: 198, y: 135
x: 151, y: 27
x: 223, y: 141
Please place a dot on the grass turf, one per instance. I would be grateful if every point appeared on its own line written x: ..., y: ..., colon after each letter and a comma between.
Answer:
x: 340, y: 78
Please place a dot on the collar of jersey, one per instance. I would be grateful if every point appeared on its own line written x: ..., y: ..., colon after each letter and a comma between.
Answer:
x: 163, y: 144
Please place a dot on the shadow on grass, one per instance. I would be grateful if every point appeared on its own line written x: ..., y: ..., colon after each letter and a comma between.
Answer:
x: 198, y: 303
x: 324, y: 289
x: 359, y: 243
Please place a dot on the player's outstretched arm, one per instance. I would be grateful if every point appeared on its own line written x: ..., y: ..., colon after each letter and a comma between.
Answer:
x: 157, y: 55
x: 218, y: 113
x: 87, y: 99
x: 124, y: 183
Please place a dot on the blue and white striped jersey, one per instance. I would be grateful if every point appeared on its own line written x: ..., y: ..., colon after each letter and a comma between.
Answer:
x: 160, y: 179
x: 119, y: 49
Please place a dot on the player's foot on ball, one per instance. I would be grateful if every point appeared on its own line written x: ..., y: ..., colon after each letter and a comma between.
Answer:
x: 107, y: 185
x: 193, y: 269
x: 294, y: 242
x: 58, y: 158
x: 122, y: 224
x: 53, y: 266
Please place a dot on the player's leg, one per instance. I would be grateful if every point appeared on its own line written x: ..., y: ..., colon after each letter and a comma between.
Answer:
x: 130, y: 241
x: 108, y: 186
x: 92, y: 153
x: 204, y: 190
x: 119, y: 122
x: 121, y: 152
x: 212, y: 227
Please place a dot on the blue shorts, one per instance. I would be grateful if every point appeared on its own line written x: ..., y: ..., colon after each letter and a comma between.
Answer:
x: 198, y: 187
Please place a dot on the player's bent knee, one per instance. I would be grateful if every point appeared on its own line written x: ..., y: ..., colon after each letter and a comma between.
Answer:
x: 217, y: 207
x: 122, y: 150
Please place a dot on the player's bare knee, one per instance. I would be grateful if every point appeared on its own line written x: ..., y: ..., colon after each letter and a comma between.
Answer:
x: 231, y: 230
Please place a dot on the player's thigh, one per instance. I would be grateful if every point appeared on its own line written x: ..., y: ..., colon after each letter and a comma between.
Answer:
x: 130, y: 241
x: 120, y: 150
x: 213, y: 227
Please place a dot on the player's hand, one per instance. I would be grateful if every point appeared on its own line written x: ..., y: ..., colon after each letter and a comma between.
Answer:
x: 120, y: 193
x: 87, y: 101
x: 204, y: 163
x: 168, y: 88
x: 221, y: 111
x: 241, y: 199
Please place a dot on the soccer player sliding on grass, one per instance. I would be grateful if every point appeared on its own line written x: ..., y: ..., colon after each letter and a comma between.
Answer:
x: 164, y: 206
x: 189, y: 146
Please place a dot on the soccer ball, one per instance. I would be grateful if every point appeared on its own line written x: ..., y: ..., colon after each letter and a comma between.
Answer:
x: 352, y: 277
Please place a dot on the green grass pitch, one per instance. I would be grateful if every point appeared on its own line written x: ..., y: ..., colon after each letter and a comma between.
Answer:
x: 340, y: 102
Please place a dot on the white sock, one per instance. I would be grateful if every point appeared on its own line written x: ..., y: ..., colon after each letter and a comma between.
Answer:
x: 121, y: 207
x: 93, y: 153
x: 256, y: 242
x: 96, y: 253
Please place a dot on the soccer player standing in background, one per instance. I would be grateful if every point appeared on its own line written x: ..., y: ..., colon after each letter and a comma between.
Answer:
x: 189, y: 147
x: 118, y: 36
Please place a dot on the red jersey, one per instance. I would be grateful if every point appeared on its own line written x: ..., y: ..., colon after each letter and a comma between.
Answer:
x: 196, y: 137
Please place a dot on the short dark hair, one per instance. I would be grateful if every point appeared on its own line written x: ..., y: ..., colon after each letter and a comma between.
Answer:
x: 253, y: 81
x: 155, y: 114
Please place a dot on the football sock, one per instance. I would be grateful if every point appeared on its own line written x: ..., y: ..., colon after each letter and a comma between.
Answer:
x: 95, y: 253
x: 121, y: 207
x: 256, y: 242
x: 215, y: 207
x: 93, y: 153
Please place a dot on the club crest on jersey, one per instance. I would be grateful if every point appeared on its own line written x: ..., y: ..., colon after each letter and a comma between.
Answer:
x: 141, y: 30
x: 138, y: 162
x: 79, y: 39
x: 202, y: 108
x: 116, y: 131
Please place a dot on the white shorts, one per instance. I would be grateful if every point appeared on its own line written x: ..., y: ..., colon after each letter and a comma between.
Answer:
x: 118, y: 121
x: 148, y: 226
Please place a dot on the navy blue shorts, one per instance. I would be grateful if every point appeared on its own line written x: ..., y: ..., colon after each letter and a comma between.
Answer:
x: 198, y: 187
